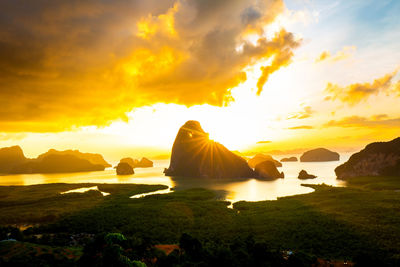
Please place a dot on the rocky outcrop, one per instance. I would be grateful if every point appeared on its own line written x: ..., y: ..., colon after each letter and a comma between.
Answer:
x: 319, y: 154
x: 304, y: 175
x: 55, y: 163
x: 267, y: 170
x: 195, y: 155
x: 143, y: 163
x: 124, y: 168
x: 289, y: 159
x: 11, y: 157
x: 91, y: 157
x: 260, y: 158
x: 376, y: 159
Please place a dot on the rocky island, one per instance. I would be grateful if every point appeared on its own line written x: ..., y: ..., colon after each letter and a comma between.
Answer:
x: 124, y: 168
x: 93, y: 158
x: 305, y: 175
x: 13, y: 161
x: 195, y: 155
x: 318, y: 155
x: 135, y: 163
x: 376, y: 159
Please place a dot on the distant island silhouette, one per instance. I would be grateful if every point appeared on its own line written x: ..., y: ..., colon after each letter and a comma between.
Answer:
x: 319, y: 154
x: 13, y: 161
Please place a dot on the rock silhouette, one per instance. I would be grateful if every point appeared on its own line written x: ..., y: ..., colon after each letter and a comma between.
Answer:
x: 380, y: 158
x: 260, y: 158
x: 289, y: 159
x: 304, y: 175
x: 195, y: 155
x: 267, y: 170
x: 11, y: 157
x: 57, y: 163
x: 319, y: 154
x: 124, y: 168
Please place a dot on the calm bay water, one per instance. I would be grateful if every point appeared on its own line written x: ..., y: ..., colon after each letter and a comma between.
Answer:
x: 232, y: 190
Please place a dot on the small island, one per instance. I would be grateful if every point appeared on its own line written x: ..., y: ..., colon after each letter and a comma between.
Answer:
x: 304, y: 175
x: 319, y: 155
x: 124, y: 168
x: 135, y: 163
x: 290, y: 159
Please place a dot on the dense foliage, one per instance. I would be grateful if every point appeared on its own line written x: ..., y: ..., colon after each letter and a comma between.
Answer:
x: 358, y: 223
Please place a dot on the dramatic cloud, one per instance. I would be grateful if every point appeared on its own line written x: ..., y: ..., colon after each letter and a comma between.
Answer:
x: 304, y: 114
x: 301, y: 127
x: 355, y: 93
x: 345, y: 53
x: 263, y: 142
x: 65, y: 63
x: 380, y: 120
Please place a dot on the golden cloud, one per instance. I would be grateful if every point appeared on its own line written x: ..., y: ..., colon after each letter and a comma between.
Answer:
x: 301, y: 127
x: 345, y: 53
x: 304, y: 114
x: 73, y: 63
x: 380, y: 120
x: 355, y: 93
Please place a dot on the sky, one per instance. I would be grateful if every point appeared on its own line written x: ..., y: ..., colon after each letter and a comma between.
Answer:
x: 120, y: 78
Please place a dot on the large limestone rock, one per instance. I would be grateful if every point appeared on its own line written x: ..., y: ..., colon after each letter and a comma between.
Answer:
x: 91, y: 157
x: 11, y: 157
x: 289, y: 159
x: 57, y: 163
x: 319, y: 154
x: 376, y: 159
x: 195, y: 155
x: 267, y: 170
x: 305, y: 175
x: 124, y: 168
x: 260, y: 158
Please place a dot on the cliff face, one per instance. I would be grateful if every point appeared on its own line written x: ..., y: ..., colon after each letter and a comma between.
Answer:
x: 195, y: 155
x: 380, y: 158
x: 319, y: 154
x: 10, y: 157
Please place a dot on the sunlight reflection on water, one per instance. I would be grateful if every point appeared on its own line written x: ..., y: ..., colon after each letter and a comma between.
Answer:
x: 232, y: 190
x: 85, y: 189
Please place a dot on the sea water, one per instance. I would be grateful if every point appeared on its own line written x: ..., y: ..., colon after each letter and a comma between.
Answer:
x: 232, y: 190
